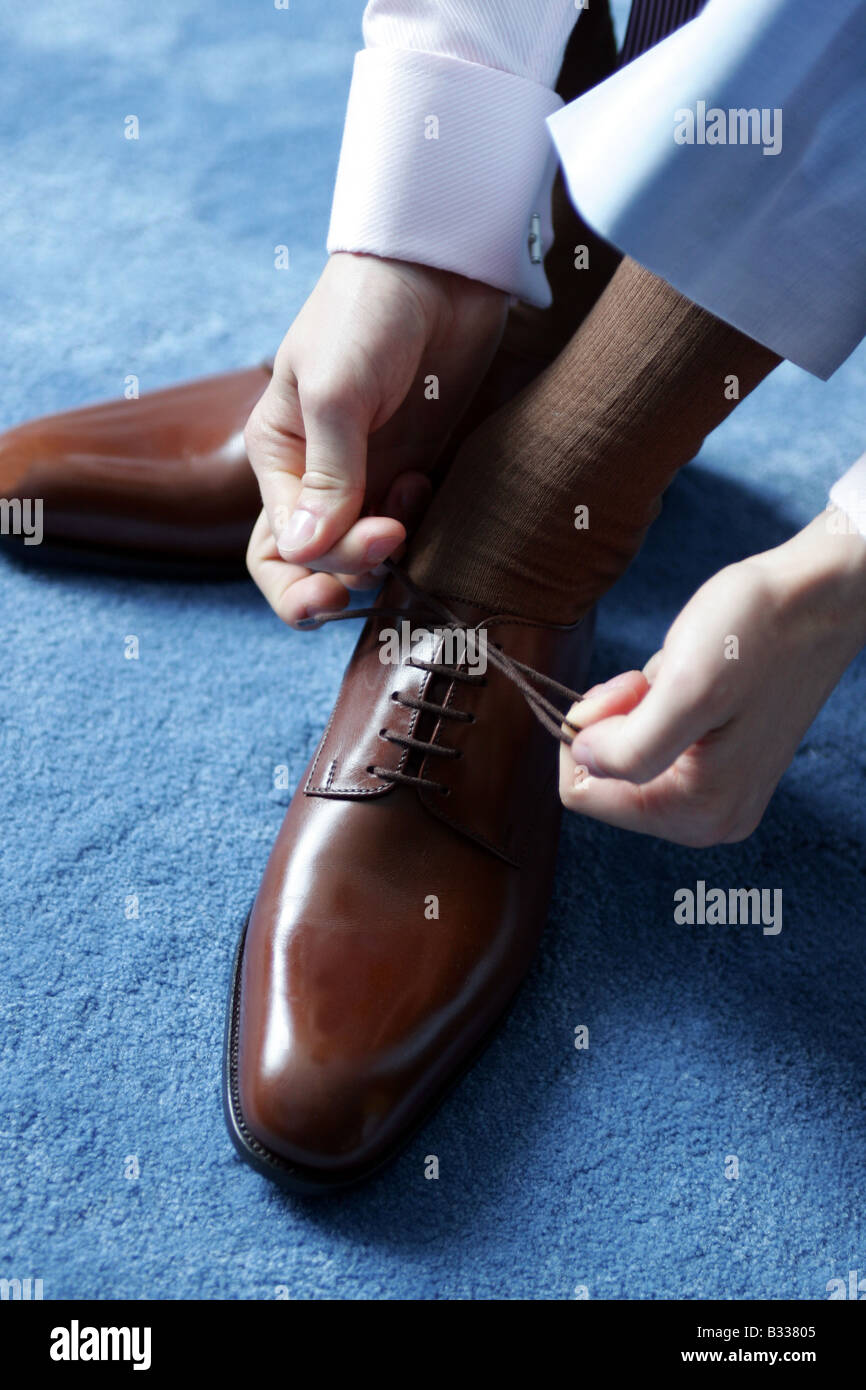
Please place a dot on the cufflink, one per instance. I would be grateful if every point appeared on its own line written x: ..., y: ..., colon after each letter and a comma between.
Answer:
x: 535, y: 239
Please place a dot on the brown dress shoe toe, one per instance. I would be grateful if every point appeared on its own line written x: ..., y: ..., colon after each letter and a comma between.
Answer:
x: 166, y: 475
x: 405, y: 894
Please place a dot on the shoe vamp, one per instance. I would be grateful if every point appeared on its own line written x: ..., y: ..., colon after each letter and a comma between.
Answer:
x: 380, y: 935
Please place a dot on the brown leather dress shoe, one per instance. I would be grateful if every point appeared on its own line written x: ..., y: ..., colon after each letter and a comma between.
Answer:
x: 405, y: 894
x: 164, y: 478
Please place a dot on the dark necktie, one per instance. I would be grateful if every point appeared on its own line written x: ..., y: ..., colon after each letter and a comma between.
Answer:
x: 650, y: 21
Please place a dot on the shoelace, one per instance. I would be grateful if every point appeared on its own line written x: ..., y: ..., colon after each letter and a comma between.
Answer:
x: 525, y: 678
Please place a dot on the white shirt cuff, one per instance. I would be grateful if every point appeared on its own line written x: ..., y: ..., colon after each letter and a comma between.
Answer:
x: 449, y: 164
x: 849, y: 495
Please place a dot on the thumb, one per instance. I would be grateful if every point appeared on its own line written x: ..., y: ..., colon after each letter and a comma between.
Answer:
x: 333, y: 482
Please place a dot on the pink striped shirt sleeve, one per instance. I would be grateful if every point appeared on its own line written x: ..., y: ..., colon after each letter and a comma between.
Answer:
x: 446, y: 159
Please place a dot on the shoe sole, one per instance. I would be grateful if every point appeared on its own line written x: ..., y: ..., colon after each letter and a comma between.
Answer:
x: 142, y: 564
x: 295, y: 1178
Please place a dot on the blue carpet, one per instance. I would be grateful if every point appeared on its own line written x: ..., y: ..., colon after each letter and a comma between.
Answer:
x: 155, y: 778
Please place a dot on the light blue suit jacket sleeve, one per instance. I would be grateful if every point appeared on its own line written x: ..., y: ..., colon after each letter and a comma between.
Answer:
x: 731, y: 160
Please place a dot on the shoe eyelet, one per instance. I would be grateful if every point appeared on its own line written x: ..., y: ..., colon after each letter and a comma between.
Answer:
x: 372, y: 771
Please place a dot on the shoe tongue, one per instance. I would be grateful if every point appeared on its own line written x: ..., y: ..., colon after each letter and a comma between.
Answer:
x: 396, y: 594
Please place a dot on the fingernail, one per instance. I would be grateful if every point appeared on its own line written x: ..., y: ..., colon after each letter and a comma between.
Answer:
x: 615, y: 683
x: 582, y: 714
x: 583, y: 757
x: 301, y: 528
x: 377, y: 551
x: 573, y: 716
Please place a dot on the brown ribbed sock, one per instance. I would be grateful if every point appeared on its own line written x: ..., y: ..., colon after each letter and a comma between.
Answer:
x: 578, y: 263
x: 548, y: 501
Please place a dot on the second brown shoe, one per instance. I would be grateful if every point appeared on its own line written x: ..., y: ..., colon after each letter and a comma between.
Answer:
x: 404, y: 896
x: 164, y: 479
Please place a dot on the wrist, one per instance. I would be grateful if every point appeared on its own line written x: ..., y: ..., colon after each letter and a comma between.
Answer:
x: 820, y: 576
x: 417, y: 275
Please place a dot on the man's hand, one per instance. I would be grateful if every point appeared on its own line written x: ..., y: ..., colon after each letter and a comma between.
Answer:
x: 383, y: 351
x: 691, y: 749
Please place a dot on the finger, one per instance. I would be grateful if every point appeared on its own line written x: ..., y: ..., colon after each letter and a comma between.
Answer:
x: 291, y: 590
x: 662, y: 810
x: 331, y: 495
x: 275, y: 447
x: 361, y: 583
x: 310, y: 597
x: 641, y: 745
x: 365, y: 545
x: 616, y: 696
x: 408, y: 499
x: 653, y: 667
